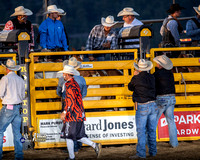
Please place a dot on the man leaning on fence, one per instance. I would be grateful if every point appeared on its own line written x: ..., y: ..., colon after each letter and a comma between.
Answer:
x: 193, y: 28
x: 165, y: 91
x: 144, y: 95
x: 102, y: 37
x: 12, y: 93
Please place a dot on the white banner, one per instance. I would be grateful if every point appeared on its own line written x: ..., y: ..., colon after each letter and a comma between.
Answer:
x: 8, y: 137
x: 97, y: 128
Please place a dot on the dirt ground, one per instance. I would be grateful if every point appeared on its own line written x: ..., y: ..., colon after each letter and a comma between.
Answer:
x: 185, y: 150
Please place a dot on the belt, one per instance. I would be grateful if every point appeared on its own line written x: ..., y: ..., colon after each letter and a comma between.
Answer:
x: 13, y: 104
x: 146, y: 102
x: 164, y: 95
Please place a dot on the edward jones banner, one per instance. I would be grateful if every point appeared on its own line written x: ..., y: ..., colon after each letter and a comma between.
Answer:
x: 187, y: 123
x: 97, y: 128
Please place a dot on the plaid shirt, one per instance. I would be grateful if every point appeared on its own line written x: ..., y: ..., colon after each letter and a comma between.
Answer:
x: 97, y: 38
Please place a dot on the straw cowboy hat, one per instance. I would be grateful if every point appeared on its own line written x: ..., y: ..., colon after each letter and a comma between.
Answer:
x: 164, y: 61
x: 72, y: 62
x: 108, y: 21
x: 70, y: 70
x: 143, y: 65
x: 10, y: 64
x: 174, y: 7
x: 21, y: 11
x: 127, y: 11
x: 61, y: 12
x: 51, y: 9
x: 197, y: 9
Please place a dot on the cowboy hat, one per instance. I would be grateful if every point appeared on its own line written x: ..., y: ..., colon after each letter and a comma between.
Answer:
x: 72, y: 62
x: 10, y: 64
x: 70, y: 70
x: 164, y: 61
x: 21, y: 11
x: 127, y: 11
x: 174, y: 7
x: 143, y: 65
x: 108, y: 21
x: 51, y: 9
x: 61, y: 12
x: 197, y: 9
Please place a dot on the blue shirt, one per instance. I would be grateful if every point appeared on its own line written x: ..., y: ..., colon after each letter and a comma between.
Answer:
x: 81, y: 82
x: 192, y: 30
x: 52, y: 35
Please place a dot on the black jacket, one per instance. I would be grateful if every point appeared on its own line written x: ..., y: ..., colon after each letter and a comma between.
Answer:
x: 164, y: 82
x: 143, y: 87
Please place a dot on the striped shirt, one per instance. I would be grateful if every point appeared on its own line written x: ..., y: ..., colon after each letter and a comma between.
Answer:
x: 74, y: 105
x: 97, y: 37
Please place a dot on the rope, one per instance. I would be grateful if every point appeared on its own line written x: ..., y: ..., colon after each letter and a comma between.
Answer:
x: 183, y: 81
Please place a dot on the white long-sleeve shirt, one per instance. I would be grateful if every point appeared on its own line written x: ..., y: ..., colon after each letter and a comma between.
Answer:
x: 12, y: 89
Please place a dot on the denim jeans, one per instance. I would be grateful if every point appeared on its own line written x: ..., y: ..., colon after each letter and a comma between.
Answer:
x: 166, y: 105
x: 14, y: 117
x: 146, y: 115
x: 77, y: 146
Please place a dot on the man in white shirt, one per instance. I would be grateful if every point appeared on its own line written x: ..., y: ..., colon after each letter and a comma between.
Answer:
x: 12, y: 93
x: 129, y: 19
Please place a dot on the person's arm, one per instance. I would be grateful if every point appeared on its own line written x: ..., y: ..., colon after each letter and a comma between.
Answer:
x: 43, y: 35
x: 9, y: 26
x: 114, y: 41
x: 84, y: 90
x: 131, y: 85
x: 172, y: 26
x: 3, y: 84
x: 190, y: 31
x: 90, y: 40
x: 60, y: 86
x: 64, y: 39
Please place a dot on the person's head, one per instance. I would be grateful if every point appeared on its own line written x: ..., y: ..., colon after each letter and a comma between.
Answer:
x: 21, y: 13
x: 197, y: 10
x: 52, y: 12
x: 72, y: 62
x: 175, y: 10
x: 68, y: 72
x: 108, y: 23
x: 11, y: 66
x: 128, y: 14
x: 61, y: 13
x: 163, y: 62
x: 143, y: 65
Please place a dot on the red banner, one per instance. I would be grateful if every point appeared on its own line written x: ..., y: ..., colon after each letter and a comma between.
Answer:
x: 187, y: 123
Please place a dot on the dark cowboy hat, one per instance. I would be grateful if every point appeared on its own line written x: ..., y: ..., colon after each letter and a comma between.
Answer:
x: 174, y: 7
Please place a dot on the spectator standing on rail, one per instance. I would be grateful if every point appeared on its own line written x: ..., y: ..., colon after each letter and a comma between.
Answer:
x: 74, y: 113
x: 21, y: 22
x: 193, y: 28
x: 144, y: 95
x: 61, y: 89
x: 129, y: 19
x: 171, y: 27
x: 52, y: 34
x: 165, y: 91
x: 102, y: 37
x: 12, y: 93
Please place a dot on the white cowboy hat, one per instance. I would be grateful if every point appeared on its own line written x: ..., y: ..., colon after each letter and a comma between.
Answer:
x: 197, y: 9
x: 70, y: 70
x: 108, y: 21
x: 61, y: 12
x: 10, y: 64
x: 164, y: 61
x: 51, y: 9
x: 127, y: 11
x: 72, y: 62
x: 21, y: 11
x: 143, y: 65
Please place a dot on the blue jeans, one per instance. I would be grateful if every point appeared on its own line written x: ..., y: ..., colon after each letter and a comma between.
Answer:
x: 146, y: 115
x: 77, y: 146
x: 14, y: 117
x: 166, y: 105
